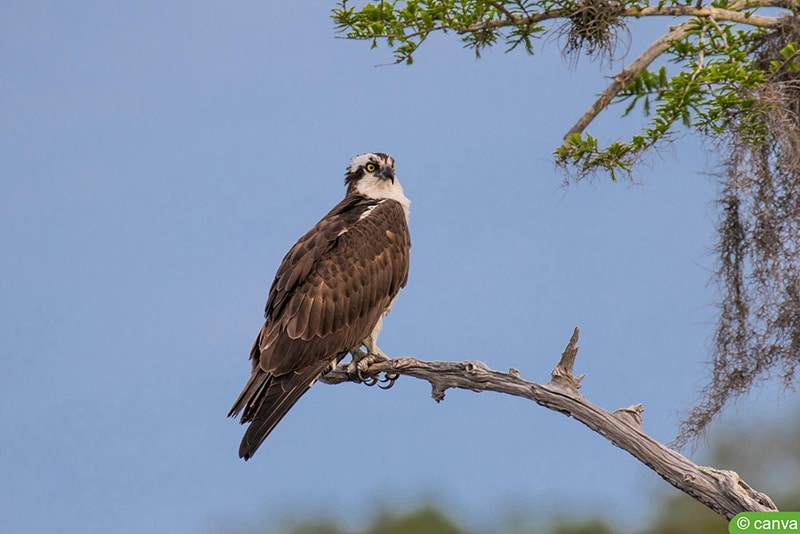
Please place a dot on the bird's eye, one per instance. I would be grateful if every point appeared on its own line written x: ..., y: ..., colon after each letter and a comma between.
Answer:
x: 371, y: 167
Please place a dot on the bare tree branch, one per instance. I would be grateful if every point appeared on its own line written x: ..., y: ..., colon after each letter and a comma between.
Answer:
x: 722, y: 491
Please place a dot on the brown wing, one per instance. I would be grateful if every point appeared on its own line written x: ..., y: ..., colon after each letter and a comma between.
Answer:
x: 330, y: 290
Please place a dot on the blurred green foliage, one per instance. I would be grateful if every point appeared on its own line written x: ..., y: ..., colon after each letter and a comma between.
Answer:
x: 425, y: 520
x: 766, y: 456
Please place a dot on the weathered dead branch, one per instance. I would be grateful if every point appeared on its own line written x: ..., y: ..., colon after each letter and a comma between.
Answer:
x: 722, y: 491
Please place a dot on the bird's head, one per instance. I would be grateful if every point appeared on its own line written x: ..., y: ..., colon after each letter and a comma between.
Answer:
x: 373, y: 176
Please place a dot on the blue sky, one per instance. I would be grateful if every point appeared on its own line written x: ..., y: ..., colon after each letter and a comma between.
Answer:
x: 157, y: 161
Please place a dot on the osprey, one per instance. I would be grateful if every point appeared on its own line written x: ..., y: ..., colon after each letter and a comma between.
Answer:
x: 329, y: 297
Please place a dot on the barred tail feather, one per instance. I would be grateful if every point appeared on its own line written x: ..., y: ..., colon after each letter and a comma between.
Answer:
x: 248, y: 399
x: 254, y: 387
x: 273, y: 399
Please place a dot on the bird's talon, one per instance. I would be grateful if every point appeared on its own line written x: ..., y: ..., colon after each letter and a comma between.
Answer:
x: 370, y: 380
x: 388, y: 379
x: 360, y: 368
x: 360, y: 365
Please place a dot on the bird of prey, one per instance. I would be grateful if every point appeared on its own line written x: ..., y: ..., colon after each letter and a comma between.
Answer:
x: 329, y: 297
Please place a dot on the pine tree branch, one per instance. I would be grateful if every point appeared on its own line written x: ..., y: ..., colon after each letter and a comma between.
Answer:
x: 722, y: 491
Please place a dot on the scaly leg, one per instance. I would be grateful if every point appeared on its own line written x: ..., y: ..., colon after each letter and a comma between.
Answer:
x: 362, y: 360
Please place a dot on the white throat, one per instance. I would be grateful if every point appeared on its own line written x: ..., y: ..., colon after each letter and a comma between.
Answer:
x: 379, y: 188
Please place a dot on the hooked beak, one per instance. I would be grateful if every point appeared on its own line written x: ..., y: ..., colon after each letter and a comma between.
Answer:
x: 387, y: 173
